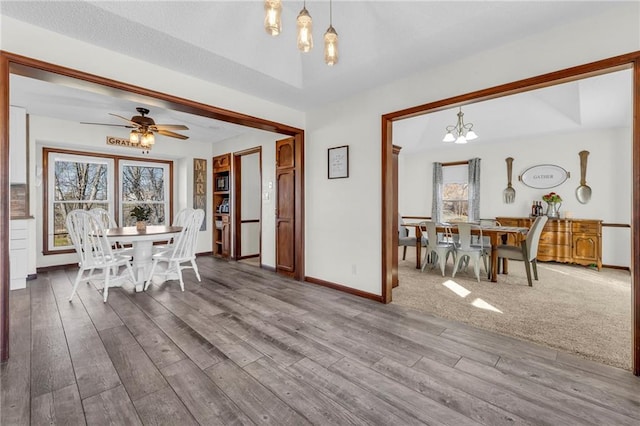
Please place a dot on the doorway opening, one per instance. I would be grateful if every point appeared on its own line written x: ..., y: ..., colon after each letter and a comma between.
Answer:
x: 247, y: 232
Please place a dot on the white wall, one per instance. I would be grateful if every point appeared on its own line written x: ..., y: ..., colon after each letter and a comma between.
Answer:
x: 251, y: 203
x: 343, y: 241
x: 267, y: 141
x: 608, y: 175
x: 54, y: 133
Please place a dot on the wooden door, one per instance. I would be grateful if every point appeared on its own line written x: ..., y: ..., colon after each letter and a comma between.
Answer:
x: 285, y: 206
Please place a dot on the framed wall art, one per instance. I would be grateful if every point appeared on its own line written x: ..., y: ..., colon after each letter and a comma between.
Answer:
x: 338, y: 164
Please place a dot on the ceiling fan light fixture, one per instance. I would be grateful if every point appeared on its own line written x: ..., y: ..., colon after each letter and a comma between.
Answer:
x: 272, y: 18
x: 305, y: 28
x: 134, y: 137
x: 147, y: 140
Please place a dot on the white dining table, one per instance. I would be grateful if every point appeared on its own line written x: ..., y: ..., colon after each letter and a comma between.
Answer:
x: 142, y: 244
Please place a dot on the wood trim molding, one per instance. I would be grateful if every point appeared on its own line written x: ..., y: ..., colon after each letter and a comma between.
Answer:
x: 5, y: 213
x: 616, y: 63
x: 616, y: 225
x: 237, y: 201
x: 624, y: 268
x: 343, y: 288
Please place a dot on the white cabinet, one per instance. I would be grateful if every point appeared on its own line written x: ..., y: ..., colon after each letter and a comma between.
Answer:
x: 18, y: 255
x: 17, y: 145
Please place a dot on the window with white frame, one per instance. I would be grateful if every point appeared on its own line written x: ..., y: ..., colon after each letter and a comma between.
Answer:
x: 144, y: 184
x: 455, y: 193
x: 77, y: 180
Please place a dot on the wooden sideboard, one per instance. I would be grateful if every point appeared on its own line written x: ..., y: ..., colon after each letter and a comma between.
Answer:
x: 566, y: 240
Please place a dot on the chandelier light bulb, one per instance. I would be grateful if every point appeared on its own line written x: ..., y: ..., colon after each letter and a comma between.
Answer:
x: 134, y: 137
x: 305, y: 27
x: 331, y: 46
x: 272, y: 18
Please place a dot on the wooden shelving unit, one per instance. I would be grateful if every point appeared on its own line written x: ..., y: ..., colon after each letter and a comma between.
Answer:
x: 222, y: 205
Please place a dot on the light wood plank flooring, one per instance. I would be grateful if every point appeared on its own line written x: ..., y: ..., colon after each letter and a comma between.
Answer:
x: 246, y: 346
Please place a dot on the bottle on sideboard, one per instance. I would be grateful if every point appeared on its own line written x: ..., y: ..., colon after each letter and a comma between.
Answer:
x: 534, y: 209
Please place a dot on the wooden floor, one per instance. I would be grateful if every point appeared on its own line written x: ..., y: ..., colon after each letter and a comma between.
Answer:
x: 248, y: 347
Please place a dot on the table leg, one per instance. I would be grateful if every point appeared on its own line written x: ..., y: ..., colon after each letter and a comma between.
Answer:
x: 142, y: 251
x: 418, y: 247
x: 494, y: 257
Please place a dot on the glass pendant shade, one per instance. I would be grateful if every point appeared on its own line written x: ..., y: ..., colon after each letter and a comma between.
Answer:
x: 134, y: 137
x: 331, y: 46
x: 272, y: 18
x: 471, y: 135
x: 461, y: 139
x: 305, y: 36
x: 147, y: 140
x: 449, y: 138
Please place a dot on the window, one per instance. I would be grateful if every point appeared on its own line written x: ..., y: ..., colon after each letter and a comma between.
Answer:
x: 144, y: 183
x: 76, y: 182
x: 84, y: 181
x: 455, y: 193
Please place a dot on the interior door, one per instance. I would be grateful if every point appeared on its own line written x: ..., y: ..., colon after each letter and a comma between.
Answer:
x: 285, y: 206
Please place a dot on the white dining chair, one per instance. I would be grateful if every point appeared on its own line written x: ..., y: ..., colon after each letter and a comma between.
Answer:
x: 180, y: 220
x: 467, y: 252
x: 181, y: 251
x: 107, y: 221
x: 94, y: 251
x: 437, y: 250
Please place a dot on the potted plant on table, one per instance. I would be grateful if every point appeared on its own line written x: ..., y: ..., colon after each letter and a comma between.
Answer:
x: 142, y: 213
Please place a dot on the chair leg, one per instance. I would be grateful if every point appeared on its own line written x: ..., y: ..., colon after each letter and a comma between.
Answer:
x: 456, y: 264
x: 404, y: 253
x: 195, y: 268
x: 534, y: 264
x: 179, y: 269
x: 153, y: 267
x: 105, y: 291
x: 75, y: 284
x: 527, y: 268
x: 425, y: 260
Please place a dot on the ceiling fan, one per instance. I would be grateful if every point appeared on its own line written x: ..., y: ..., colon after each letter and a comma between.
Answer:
x: 144, y: 127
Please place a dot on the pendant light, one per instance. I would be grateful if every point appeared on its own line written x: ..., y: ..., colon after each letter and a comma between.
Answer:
x: 272, y: 20
x: 331, y: 41
x: 461, y: 132
x: 305, y: 24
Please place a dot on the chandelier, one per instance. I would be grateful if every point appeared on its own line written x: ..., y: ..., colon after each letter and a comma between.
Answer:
x: 304, y: 24
x: 461, y: 132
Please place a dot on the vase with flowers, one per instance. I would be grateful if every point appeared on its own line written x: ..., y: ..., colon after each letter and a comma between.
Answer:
x: 554, y: 202
x: 142, y: 214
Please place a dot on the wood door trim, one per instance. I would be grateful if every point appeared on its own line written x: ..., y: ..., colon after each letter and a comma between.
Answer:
x: 237, y: 202
x: 626, y: 61
x: 34, y: 68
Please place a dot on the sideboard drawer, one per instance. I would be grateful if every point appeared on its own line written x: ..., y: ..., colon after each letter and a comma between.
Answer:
x: 555, y: 238
x: 586, y: 227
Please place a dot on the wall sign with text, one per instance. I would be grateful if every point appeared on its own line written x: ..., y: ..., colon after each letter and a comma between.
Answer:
x: 200, y: 187
x: 544, y: 176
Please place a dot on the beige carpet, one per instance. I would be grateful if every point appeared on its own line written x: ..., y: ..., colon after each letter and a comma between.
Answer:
x: 572, y: 308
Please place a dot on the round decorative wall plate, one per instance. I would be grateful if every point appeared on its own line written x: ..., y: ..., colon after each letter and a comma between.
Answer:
x: 544, y: 176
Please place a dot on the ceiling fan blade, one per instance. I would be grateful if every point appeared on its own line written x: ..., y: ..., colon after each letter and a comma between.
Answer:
x: 170, y: 127
x: 108, y: 124
x: 125, y: 119
x: 172, y: 134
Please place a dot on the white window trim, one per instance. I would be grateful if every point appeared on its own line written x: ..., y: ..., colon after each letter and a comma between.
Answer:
x: 54, y: 157
x: 167, y: 183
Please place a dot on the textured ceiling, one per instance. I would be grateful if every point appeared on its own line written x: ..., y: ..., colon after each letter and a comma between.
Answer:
x: 380, y: 41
